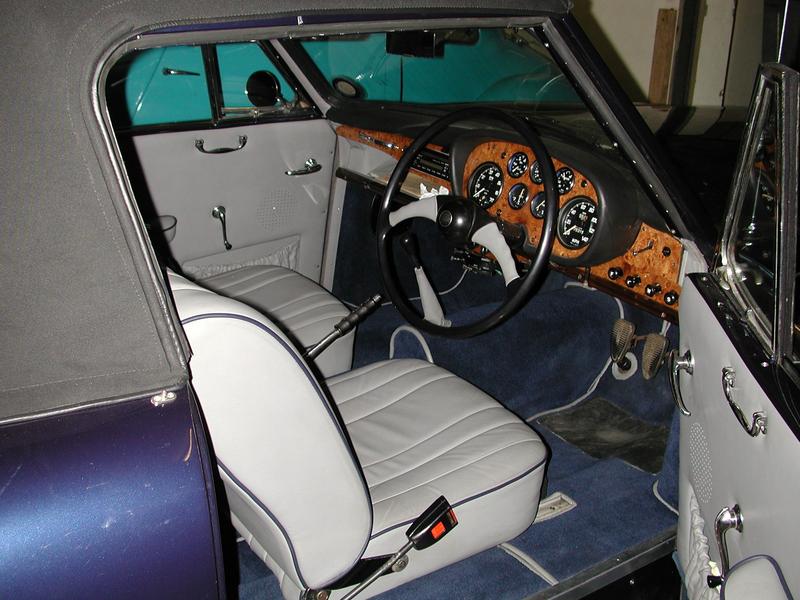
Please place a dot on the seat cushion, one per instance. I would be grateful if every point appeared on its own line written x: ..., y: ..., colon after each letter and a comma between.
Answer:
x: 420, y: 432
x: 304, y: 310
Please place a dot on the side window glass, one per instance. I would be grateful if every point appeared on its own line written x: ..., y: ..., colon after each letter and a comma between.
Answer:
x: 158, y: 86
x: 251, y: 84
x: 753, y: 247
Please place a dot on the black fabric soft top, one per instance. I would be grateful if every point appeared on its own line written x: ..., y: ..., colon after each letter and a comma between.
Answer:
x: 84, y: 315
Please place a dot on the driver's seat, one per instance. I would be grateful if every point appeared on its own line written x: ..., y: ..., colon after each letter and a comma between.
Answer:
x: 322, y: 474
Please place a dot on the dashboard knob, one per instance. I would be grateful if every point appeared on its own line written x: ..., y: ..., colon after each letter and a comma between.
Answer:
x: 670, y: 298
x: 614, y: 273
x: 632, y: 281
x: 652, y: 289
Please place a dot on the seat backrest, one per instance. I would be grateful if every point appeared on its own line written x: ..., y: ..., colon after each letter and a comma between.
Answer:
x: 292, y: 480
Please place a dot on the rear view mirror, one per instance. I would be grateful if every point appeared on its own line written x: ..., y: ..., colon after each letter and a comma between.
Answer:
x: 423, y: 44
x: 428, y: 44
x: 263, y: 89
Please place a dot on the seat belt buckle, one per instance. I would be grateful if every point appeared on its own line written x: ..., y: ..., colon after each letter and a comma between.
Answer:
x: 432, y: 525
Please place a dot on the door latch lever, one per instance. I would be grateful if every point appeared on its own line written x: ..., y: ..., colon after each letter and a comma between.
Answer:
x: 218, y: 212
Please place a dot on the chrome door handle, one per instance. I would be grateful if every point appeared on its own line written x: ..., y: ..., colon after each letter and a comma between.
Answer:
x: 311, y: 166
x: 199, y: 145
x: 168, y: 71
x: 759, y: 423
x: 676, y: 365
x: 728, y: 518
x: 218, y: 212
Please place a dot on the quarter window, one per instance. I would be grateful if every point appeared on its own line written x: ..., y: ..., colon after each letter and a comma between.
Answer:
x: 159, y: 85
x: 176, y: 84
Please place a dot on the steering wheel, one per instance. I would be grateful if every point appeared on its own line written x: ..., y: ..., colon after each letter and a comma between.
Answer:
x: 463, y: 223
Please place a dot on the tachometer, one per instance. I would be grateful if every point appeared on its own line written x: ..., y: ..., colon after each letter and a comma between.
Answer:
x: 517, y: 164
x: 518, y: 195
x: 565, y: 179
x: 577, y: 222
x: 486, y: 184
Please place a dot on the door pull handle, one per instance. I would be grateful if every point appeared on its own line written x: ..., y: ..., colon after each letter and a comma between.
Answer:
x: 199, y: 145
x: 218, y: 212
x: 311, y: 166
x: 676, y: 365
x: 728, y: 518
x: 758, y: 425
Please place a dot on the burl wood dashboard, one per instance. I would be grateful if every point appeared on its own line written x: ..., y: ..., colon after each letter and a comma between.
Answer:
x: 646, y: 273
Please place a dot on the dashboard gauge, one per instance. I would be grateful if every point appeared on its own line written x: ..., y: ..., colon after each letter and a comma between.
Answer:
x: 537, y: 205
x: 536, y: 173
x: 518, y: 164
x: 486, y: 184
x: 518, y: 195
x: 565, y: 179
x: 577, y: 222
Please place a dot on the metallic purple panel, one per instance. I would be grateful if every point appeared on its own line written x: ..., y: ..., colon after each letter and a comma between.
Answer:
x: 108, y: 502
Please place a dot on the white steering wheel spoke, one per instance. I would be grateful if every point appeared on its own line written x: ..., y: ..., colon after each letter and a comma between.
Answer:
x: 490, y: 237
x: 426, y: 207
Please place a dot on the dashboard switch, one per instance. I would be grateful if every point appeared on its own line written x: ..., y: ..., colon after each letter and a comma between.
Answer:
x: 670, y: 298
x: 632, y: 281
x: 614, y: 273
x: 652, y: 289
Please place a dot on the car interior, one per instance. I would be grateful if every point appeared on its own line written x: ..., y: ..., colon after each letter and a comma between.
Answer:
x: 429, y: 304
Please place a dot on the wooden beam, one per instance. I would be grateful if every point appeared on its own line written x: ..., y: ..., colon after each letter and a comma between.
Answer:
x: 663, y: 53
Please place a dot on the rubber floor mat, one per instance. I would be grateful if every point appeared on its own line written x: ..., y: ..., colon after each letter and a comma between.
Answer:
x: 603, y: 430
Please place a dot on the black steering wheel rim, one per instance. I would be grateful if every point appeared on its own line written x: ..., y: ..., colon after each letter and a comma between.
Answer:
x: 518, y: 292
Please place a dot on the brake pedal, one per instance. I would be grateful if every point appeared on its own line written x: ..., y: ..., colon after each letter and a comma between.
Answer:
x: 622, y: 337
x: 653, y: 354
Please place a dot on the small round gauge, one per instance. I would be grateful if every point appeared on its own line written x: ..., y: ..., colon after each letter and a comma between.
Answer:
x: 486, y: 184
x: 565, y: 179
x: 518, y: 195
x: 536, y: 173
x: 518, y: 164
x: 537, y: 205
x: 577, y: 222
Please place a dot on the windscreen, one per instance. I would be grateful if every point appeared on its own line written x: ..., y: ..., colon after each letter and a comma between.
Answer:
x: 443, y: 67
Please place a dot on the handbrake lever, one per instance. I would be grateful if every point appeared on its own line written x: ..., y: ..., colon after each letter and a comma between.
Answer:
x: 344, y: 326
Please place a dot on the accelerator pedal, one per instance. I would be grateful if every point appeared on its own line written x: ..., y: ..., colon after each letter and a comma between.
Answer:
x: 622, y: 337
x: 653, y: 354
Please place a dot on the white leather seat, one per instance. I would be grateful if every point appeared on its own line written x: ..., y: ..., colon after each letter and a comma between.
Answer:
x: 304, y: 310
x: 314, y: 485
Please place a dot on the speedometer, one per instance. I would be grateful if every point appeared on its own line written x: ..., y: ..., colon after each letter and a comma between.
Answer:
x: 486, y: 184
x: 577, y: 222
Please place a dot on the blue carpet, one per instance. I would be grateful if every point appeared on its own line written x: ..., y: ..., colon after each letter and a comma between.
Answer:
x: 616, y: 511
x: 256, y: 581
x: 490, y: 574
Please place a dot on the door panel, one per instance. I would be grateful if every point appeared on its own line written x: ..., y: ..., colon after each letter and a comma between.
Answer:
x: 722, y: 463
x: 271, y: 217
